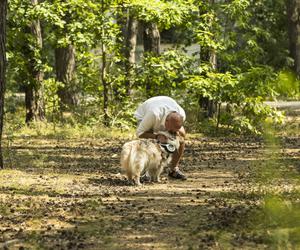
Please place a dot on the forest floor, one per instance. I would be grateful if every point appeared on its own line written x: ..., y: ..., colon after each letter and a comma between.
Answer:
x: 59, y: 193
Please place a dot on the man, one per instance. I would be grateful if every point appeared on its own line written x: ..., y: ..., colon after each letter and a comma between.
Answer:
x: 162, y: 113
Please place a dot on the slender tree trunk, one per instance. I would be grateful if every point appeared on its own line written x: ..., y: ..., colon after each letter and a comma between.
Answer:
x: 122, y: 21
x: 103, y: 72
x: 129, y: 30
x: 105, y: 87
x: 35, y: 108
x: 65, y: 71
x: 131, y: 39
x: 3, y: 11
x: 130, y: 48
x: 151, y: 40
x: 212, y: 105
x: 209, y: 106
x: 293, y: 15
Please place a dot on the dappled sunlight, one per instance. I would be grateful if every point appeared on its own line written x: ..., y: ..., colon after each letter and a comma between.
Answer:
x: 142, y: 241
x: 74, y: 193
x: 73, y: 76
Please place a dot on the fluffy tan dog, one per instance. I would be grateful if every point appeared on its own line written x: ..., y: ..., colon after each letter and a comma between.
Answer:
x: 147, y: 156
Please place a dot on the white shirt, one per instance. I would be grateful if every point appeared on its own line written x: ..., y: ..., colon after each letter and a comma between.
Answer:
x: 152, y: 113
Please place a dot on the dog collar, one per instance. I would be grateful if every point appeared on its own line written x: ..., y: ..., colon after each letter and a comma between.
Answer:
x: 168, y: 147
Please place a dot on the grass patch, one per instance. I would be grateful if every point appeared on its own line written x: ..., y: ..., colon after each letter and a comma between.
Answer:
x: 66, y: 131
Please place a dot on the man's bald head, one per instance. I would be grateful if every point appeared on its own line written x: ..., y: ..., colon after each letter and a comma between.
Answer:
x: 174, y: 122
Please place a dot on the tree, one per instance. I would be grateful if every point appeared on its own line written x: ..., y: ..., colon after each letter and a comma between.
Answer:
x: 65, y: 71
x: 155, y: 16
x: 3, y: 10
x: 65, y: 52
x: 129, y: 27
x: 293, y: 12
x: 151, y: 38
x: 35, y: 109
x: 235, y: 37
x: 130, y: 37
x: 207, y: 35
x: 26, y: 68
x: 151, y: 41
x: 70, y: 29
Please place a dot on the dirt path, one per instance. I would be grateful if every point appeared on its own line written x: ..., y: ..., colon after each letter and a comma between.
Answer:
x: 70, y: 194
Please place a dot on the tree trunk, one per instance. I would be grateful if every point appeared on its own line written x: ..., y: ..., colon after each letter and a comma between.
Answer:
x: 129, y: 31
x: 65, y: 71
x: 130, y: 47
x: 212, y: 105
x: 151, y: 40
x: 105, y: 86
x: 3, y: 11
x: 207, y: 105
x: 293, y: 15
x: 103, y: 71
x: 35, y: 108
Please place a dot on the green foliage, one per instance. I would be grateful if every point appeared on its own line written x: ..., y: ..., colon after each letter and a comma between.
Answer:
x: 258, y: 81
x: 75, y: 21
x: 52, y: 101
x: 248, y: 39
x: 206, y: 33
x: 87, y: 73
x: 288, y: 85
x: 164, y: 13
x: 254, y: 33
x: 122, y: 115
x: 215, y: 86
x: 14, y: 112
x: 251, y: 115
x: 282, y: 220
x: 279, y: 216
x: 242, y: 94
x: 162, y: 75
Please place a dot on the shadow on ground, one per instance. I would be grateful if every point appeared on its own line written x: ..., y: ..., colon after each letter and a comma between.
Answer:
x: 71, y: 194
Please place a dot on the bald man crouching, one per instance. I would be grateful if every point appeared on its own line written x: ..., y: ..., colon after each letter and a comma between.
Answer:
x: 162, y: 113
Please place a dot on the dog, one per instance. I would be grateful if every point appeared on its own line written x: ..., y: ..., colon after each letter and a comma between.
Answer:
x: 148, y: 156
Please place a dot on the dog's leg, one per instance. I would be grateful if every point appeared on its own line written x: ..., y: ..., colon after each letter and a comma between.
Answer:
x: 155, y: 178
x: 136, y: 179
x: 129, y: 176
x: 154, y: 173
x: 158, y: 172
x: 136, y: 173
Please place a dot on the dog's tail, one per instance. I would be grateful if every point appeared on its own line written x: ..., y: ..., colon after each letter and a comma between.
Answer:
x: 128, y: 156
x: 133, y: 161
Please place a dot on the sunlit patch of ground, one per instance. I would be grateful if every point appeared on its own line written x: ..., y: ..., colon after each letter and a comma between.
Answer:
x: 71, y: 194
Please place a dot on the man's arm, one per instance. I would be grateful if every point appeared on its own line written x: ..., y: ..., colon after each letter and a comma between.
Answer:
x: 145, y: 129
x: 148, y: 135
x: 182, y: 132
x: 161, y: 138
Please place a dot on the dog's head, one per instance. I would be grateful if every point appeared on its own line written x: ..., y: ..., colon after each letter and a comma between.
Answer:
x: 173, y: 141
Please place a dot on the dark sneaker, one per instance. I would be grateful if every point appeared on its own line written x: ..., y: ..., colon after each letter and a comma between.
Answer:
x: 145, y: 178
x: 177, y: 174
